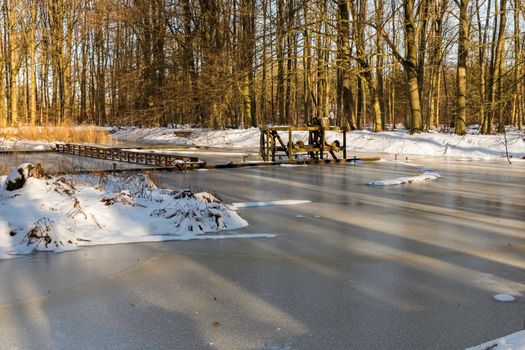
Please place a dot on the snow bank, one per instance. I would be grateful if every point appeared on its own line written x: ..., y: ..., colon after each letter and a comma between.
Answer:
x: 471, y: 146
x: 396, y: 142
x: 26, y: 145
x: 408, y: 179
x: 515, y: 341
x: 59, y: 214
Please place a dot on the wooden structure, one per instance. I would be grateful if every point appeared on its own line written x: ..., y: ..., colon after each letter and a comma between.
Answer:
x: 122, y: 155
x: 272, y: 142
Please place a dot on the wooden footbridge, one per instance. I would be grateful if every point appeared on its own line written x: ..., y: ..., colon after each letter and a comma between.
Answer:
x: 154, y: 159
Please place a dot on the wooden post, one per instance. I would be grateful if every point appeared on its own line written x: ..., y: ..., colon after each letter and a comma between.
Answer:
x: 322, y: 142
x: 262, y: 147
x: 344, y: 143
x: 290, y: 145
x: 273, y: 146
x: 267, y: 145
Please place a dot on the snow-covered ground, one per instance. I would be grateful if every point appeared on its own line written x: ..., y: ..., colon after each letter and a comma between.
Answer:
x: 8, y: 145
x: 395, y: 142
x: 515, y: 341
x: 472, y: 145
x: 62, y: 213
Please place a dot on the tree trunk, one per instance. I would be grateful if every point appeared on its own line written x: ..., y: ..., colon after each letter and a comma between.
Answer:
x: 362, y: 60
x: 280, y: 63
x: 482, y: 37
x: 461, y: 102
x: 497, y: 103
x: 411, y: 68
x: 347, y: 103
x: 12, y: 37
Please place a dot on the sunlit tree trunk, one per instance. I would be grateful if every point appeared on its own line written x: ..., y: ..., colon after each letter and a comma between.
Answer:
x: 497, y: 104
x: 348, y: 118
x: 14, y: 46
x: 461, y: 99
x: 482, y: 37
x: 359, y: 12
x: 411, y: 69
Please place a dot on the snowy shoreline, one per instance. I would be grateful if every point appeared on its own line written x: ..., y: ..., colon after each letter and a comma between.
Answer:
x: 393, y: 142
x: 398, y: 142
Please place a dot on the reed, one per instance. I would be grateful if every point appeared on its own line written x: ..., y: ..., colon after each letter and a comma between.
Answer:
x: 78, y: 134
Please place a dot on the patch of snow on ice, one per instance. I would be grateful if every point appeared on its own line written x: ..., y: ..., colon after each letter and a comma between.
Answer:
x: 286, y: 165
x: 408, y: 179
x: 504, y: 297
x: 60, y: 214
x: 238, y: 235
x: 514, y: 341
x: 269, y: 203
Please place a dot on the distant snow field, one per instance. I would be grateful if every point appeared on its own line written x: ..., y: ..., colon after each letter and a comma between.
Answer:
x: 471, y: 146
x: 62, y: 213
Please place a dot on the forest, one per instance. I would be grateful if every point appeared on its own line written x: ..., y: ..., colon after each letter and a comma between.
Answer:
x: 241, y: 63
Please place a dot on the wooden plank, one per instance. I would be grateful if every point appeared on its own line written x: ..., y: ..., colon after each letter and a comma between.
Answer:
x: 268, y: 146
x: 322, y: 144
x: 344, y: 144
x: 301, y: 128
x: 262, y: 146
x: 273, y: 146
x: 290, y: 145
x: 281, y: 142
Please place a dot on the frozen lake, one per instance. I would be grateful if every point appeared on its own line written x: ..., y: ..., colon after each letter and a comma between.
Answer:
x: 412, y: 266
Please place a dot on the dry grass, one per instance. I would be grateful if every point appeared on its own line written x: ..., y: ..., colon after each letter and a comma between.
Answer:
x: 85, y: 134
x: 152, y: 177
